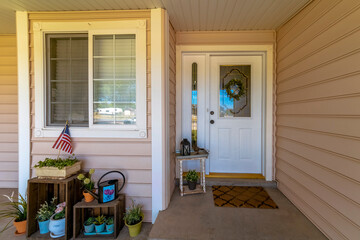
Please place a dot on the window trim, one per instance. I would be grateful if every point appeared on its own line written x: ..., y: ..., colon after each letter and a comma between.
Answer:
x: 137, y: 27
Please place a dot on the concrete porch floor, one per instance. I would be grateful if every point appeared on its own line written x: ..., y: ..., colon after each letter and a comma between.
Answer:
x: 195, y: 217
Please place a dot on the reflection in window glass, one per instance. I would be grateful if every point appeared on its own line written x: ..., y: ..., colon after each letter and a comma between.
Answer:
x: 235, y: 91
x: 194, y: 105
x: 114, y: 79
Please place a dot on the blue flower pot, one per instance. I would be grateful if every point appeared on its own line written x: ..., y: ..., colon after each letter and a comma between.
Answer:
x: 44, y: 226
x: 110, y: 228
x: 89, y: 228
x: 100, y: 228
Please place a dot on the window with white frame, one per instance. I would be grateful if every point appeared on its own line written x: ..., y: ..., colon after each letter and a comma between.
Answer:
x: 92, y: 76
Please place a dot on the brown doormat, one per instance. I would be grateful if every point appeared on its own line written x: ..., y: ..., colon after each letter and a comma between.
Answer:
x: 242, y: 197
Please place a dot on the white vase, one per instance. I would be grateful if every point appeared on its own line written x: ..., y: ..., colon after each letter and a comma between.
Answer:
x: 57, y: 227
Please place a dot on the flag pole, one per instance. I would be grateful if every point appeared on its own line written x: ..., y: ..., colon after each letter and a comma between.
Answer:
x: 62, y: 142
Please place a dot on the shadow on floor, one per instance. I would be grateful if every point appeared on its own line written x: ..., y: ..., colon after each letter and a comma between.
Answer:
x: 195, y: 217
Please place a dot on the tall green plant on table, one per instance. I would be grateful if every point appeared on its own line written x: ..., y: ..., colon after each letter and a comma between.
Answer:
x: 44, y: 214
x: 133, y: 219
x: 88, y: 185
x: 191, y: 177
x: 16, y: 211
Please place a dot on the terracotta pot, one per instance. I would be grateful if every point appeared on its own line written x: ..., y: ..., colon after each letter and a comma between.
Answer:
x: 87, y: 196
x: 20, y: 227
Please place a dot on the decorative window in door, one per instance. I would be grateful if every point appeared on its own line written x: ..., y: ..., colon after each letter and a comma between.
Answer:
x: 235, y: 91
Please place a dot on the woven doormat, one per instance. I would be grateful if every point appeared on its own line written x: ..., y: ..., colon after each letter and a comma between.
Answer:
x: 242, y: 197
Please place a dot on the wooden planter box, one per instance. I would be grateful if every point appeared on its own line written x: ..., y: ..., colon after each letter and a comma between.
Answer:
x: 55, y: 173
x: 41, y: 190
x: 84, y: 210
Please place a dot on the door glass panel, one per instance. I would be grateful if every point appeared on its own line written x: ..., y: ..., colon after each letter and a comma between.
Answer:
x: 235, y: 91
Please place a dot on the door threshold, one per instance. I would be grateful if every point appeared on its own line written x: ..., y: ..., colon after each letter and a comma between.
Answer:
x: 236, y: 175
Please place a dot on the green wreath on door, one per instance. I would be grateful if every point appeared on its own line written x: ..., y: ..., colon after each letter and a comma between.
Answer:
x: 238, y: 92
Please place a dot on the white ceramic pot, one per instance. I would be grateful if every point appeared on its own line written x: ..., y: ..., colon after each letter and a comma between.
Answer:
x: 57, y: 227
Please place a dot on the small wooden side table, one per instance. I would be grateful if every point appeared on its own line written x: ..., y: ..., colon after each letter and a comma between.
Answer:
x: 201, y: 156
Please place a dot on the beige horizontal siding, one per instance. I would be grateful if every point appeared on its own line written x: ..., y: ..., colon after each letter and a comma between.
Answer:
x: 318, y: 131
x: 8, y: 112
x: 172, y: 105
x: 130, y: 156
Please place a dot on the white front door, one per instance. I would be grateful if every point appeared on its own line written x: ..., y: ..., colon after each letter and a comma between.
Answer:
x: 235, y: 114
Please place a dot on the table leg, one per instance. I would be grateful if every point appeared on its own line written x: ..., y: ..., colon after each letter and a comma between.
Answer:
x: 203, y: 174
x: 181, y: 179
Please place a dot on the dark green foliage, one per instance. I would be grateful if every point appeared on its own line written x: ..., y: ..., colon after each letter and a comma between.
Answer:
x: 192, y: 176
x: 133, y: 214
x: 110, y: 220
x: 89, y: 221
x: 60, y: 163
x: 99, y: 220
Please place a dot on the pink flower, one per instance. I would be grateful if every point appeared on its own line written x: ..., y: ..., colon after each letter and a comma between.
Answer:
x: 59, y: 209
x: 63, y: 204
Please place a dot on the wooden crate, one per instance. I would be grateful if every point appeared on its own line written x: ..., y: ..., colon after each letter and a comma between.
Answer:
x: 41, y: 190
x: 55, y: 173
x: 83, y: 210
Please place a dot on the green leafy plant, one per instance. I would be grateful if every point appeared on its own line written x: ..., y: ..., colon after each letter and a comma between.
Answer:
x: 89, y: 221
x: 60, y: 211
x: 88, y: 183
x: 99, y: 220
x: 59, y: 163
x: 14, y: 210
x: 133, y: 214
x: 46, y: 210
x: 109, y: 220
x: 192, y: 176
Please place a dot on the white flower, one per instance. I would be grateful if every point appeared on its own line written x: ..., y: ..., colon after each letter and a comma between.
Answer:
x: 11, y: 198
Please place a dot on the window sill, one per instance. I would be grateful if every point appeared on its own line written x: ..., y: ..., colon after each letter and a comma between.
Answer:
x: 91, y: 133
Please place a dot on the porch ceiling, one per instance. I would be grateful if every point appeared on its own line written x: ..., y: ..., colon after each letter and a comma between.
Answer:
x: 185, y: 15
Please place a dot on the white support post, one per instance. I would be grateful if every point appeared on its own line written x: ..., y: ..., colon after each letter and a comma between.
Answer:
x: 158, y: 111
x: 22, y: 36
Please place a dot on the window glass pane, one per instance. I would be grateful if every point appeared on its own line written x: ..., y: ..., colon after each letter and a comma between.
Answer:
x: 235, y: 91
x: 103, y: 68
x: 125, y: 45
x: 125, y: 68
x: 79, y: 69
x: 125, y: 91
x: 126, y: 113
x: 103, y: 91
x: 114, y: 79
x: 59, y: 69
x: 104, y: 45
x: 67, y: 79
x: 104, y: 113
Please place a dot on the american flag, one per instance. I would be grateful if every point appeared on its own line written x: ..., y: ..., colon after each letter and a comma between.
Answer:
x: 64, y: 140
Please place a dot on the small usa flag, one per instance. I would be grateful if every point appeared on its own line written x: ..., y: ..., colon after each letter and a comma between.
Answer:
x: 64, y: 140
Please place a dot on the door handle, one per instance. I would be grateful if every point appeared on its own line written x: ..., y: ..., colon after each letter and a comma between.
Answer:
x: 212, y: 121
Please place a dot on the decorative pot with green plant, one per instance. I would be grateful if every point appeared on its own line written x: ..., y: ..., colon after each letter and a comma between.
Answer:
x: 191, y: 178
x: 16, y: 211
x: 133, y: 219
x: 100, y: 223
x: 89, y: 224
x: 88, y: 185
x: 110, y: 224
x: 58, y: 167
x: 44, y: 214
x: 57, y: 221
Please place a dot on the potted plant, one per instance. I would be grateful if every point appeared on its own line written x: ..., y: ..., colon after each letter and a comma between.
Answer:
x: 89, y: 225
x: 100, y: 223
x: 44, y: 214
x: 16, y: 211
x: 110, y: 224
x: 191, y: 178
x: 58, y: 168
x: 88, y: 185
x: 57, y: 221
x: 133, y: 219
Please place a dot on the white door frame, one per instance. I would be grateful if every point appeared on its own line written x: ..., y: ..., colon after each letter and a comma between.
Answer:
x: 266, y: 51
